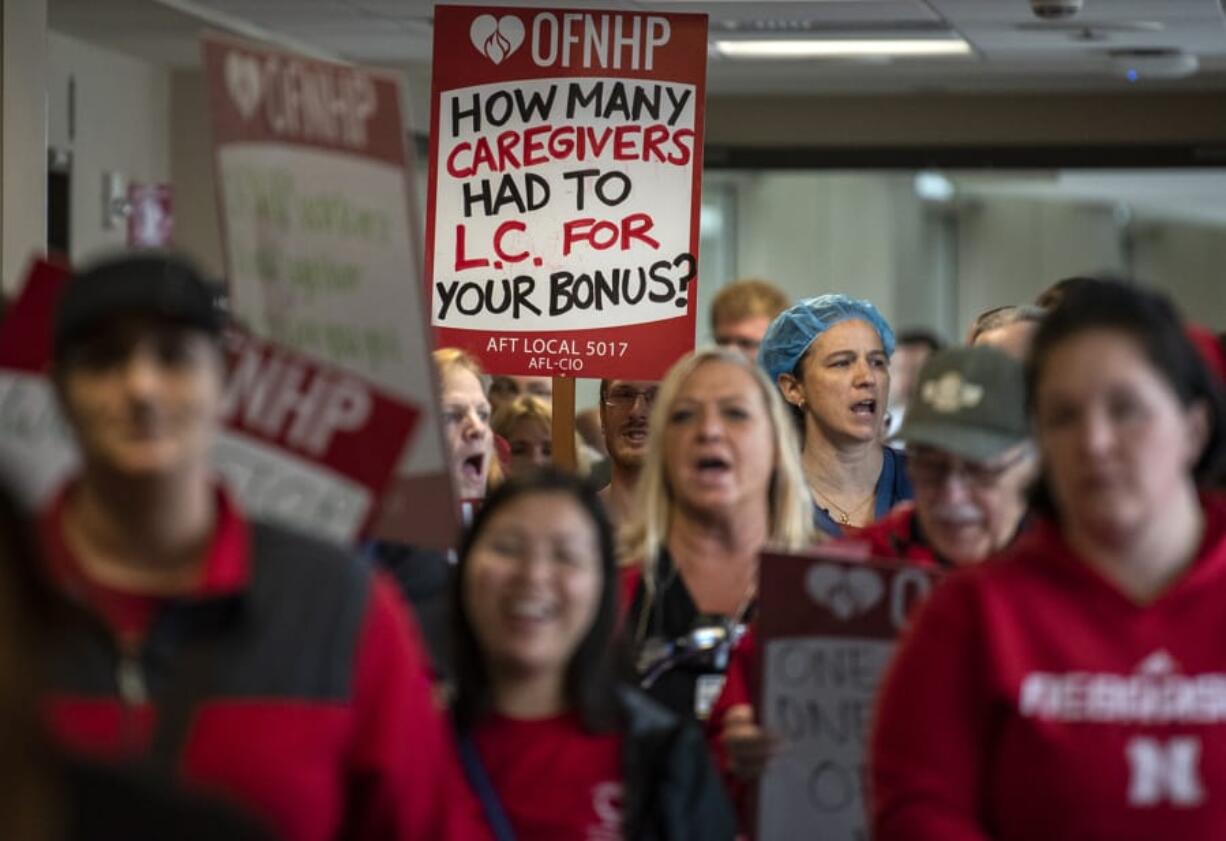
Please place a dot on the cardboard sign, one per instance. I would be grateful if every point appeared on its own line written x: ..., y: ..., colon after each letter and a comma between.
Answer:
x: 565, y: 166
x: 321, y: 250
x: 827, y: 626
x: 306, y: 444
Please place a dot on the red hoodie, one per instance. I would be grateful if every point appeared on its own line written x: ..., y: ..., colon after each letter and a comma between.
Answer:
x: 316, y: 716
x: 1032, y: 699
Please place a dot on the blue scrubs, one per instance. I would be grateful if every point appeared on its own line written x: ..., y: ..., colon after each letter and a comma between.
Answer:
x: 893, y: 487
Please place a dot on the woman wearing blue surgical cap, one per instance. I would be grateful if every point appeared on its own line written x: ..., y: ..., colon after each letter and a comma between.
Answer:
x: 830, y: 357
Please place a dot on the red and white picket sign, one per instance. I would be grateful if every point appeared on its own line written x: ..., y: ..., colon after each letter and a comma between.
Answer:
x: 323, y: 250
x: 827, y: 627
x: 305, y: 443
x: 565, y: 168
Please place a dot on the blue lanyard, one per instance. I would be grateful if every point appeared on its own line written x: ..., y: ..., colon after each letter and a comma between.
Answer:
x: 483, y: 787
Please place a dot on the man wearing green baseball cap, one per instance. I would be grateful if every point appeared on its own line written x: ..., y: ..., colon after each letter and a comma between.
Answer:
x: 970, y: 459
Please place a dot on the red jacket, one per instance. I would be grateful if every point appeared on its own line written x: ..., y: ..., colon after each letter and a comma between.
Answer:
x: 896, y: 536
x: 313, y: 704
x: 1211, y: 349
x: 1033, y: 699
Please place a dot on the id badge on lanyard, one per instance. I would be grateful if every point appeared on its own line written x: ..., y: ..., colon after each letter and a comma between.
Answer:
x: 706, y: 693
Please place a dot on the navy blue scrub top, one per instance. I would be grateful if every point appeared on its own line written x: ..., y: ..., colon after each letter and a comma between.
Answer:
x: 893, y: 487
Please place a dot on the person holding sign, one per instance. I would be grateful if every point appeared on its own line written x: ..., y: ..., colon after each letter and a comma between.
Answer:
x: 1075, y: 687
x: 231, y: 654
x: 830, y: 356
x: 554, y: 747
x: 721, y: 480
x: 972, y: 461
x: 970, y: 458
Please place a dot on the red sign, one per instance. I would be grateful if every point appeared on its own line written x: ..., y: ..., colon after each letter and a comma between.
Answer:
x: 305, y: 442
x: 828, y: 625
x: 322, y: 250
x: 565, y: 167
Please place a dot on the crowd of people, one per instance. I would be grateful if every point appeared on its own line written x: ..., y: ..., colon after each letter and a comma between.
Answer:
x: 584, y: 664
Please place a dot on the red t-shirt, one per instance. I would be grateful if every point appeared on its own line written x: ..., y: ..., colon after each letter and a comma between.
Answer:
x: 556, y: 781
x: 1033, y: 699
x: 127, y: 613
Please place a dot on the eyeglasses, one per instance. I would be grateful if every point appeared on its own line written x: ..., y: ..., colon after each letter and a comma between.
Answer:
x: 934, y: 470
x: 625, y: 398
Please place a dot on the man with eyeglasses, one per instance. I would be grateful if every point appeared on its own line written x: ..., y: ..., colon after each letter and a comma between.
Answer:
x: 970, y: 460
x: 625, y: 408
x: 1012, y: 329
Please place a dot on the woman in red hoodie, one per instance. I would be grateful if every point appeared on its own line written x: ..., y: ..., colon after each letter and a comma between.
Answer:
x: 1075, y: 688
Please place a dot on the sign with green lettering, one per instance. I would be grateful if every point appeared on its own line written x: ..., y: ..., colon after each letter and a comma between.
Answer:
x: 321, y: 253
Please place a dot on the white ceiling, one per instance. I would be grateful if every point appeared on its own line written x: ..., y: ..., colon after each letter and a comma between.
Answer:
x: 1012, y: 50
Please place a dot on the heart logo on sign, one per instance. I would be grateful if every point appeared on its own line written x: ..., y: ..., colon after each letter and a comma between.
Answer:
x: 243, y: 82
x: 845, y: 593
x: 496, y: 39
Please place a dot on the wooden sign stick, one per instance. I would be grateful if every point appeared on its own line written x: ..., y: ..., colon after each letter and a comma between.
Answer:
x: 564, y: 455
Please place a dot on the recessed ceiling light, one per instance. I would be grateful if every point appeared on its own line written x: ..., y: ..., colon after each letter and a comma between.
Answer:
x: 842, y: 48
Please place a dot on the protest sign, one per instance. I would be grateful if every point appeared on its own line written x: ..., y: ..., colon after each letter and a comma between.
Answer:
x: 307, y: 444
x: 565, y: 166
x: 827, y: 626
x: 321, y: 254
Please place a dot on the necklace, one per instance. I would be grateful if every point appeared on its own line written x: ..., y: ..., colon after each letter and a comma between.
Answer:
x: 844, y: 513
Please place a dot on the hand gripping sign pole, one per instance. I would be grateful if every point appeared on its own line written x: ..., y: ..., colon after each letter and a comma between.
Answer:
x: 564, y: 455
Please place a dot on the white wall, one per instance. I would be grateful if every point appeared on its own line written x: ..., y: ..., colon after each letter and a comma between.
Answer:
x: 1188, y: 261
x: 197, y: 227
x: 864, y: 234
x: 812, y: 233
x: 122, y: 125
x: 867, y: 234
x: 23, y: 139
x: 1010, y: 249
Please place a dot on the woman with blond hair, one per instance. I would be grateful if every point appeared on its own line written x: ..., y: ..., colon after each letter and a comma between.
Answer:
x: 721, y: 481
x: 526, y: 424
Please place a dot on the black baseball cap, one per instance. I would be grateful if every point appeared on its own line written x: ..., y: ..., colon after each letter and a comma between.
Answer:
x: 161, y: 285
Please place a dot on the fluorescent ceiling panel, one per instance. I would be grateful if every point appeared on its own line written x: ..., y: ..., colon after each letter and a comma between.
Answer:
x: 843, y: 48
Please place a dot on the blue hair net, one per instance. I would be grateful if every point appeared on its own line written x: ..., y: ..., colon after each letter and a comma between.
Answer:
x: 791, y: 333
